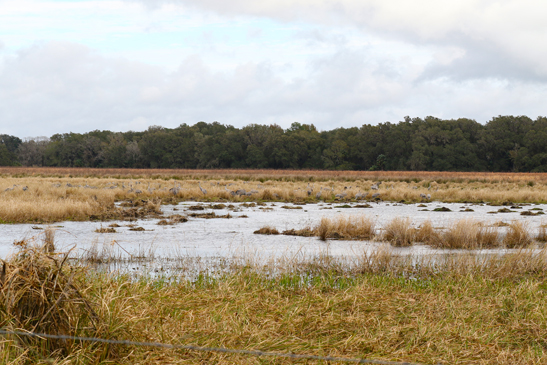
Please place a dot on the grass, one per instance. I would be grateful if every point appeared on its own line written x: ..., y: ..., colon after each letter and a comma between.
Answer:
x: 518, y: 235
x: 467, y: 234
x: 465, y: 309
x: 267, y: 230
x: 399, y: 232
x: 347, y: 228
x: 89, y: 194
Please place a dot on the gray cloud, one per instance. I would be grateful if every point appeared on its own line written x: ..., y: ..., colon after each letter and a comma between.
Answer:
x: 500, y: 39
x: 58, y: 87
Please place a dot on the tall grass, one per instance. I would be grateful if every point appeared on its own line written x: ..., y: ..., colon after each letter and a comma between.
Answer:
x: 41, y: 292
x: 468, y: 308
x: 399, y: 232
x: 518, y: 235
x: 346, y: 227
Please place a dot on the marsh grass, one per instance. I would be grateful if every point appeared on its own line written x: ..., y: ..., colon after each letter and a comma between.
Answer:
x: 343, y: 227
x: 518, y: 235
x: 399, y: 232
x: 84, y: 194
x: 105, y: 230
x: 464, y: 309
x: 542, y: 234
x: 267, y: 230
x: 42, y: 292
x: 426, y: 234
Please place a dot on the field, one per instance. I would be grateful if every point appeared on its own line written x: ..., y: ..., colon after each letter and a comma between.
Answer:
x: 56, y: 194
x: 481, y: 299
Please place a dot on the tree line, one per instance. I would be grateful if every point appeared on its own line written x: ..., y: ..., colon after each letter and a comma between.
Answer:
x: 505, y: 143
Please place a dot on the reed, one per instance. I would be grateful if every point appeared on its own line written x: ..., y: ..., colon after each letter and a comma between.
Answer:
x: 426, y: 234
x: 399, y: 232
x: 346, y: 227
x: 518, y: 235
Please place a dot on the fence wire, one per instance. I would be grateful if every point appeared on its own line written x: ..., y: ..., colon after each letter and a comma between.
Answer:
x: 206, y: 349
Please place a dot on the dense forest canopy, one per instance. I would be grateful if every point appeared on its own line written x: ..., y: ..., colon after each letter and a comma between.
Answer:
x: 506, y: 143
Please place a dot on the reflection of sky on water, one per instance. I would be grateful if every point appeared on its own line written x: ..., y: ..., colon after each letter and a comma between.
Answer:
x: 234, y: 237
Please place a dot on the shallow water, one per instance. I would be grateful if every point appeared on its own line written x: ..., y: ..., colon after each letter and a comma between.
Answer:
x: 227, y: 238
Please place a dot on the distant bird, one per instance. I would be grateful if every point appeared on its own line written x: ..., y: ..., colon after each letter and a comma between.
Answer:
x: 25, y: 188
x: 376, y: 186
x: 10, y: 189
x: 361, y: 195
x: 175, y: 189
x: 340, y: 196
x: 202, y: 189
x: 428, y: 196
x: 138, y: 191
x: 375, y: 195
x: 241, y: 192
x: 231, y: 192
x: 423, y: 196
x: 318, y: 195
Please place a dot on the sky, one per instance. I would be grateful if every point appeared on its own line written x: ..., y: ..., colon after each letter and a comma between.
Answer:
x: 120, y: 65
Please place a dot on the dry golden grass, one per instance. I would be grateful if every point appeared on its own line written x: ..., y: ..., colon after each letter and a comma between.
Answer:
x: 466, y: 234
x: 464, y: 309
x: 399, y: 232
x: 40, y: 292
x: 518, y: 235
x: 255, y: 174
x: 542, y: 234
x: 346, y: 227
x: 426, y: 234
x: 81, y: 194
x: 267, y: 230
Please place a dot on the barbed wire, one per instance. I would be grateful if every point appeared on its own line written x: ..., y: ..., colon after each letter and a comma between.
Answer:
x: 206, y: 349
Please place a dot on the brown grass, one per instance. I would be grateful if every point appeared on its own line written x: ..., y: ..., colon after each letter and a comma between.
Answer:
x: 399, y: 232
x: 427, y: 234
x: 40, y: 292
x: 84, y: 194
x: 346, y: 227
x: 542, y: 234
x: 464, y: 309
x: 266, y: 230
x: 105, y: 230
x: 417, y: 176
x: 518, y: 235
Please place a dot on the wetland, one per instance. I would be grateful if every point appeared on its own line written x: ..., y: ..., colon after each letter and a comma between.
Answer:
x: 431, y: 270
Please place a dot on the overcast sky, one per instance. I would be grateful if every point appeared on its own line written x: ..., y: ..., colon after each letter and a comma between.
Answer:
x: 81, y: 65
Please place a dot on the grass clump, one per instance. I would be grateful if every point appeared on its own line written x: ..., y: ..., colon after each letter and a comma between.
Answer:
x: 399, y: 232
x: 466, y: 234
x: 518, y: 235
x: 41, y: 293
x: 105, y: 230
x: 349, y: 228
x: 267, y: 230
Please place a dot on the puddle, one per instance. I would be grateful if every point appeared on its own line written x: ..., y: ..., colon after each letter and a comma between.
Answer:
x: 225, y: 238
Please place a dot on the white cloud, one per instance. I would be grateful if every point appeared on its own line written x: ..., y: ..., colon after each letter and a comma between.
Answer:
x: 512, y: 31
x: 118, y: 65
x: 57, y: 87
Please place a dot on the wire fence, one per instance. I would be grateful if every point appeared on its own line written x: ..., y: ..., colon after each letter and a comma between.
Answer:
x: 206, y: 349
